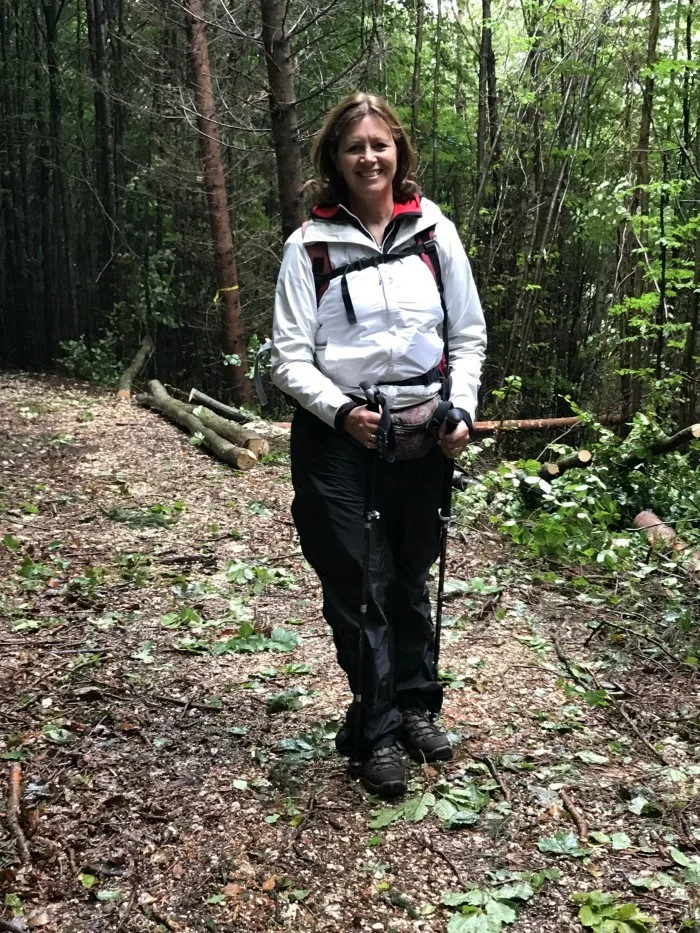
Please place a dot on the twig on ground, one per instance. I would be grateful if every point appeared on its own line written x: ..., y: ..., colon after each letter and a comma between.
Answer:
x: 494, y: 774
x: 567, y: 664
x: 310, y: 807
x: 126, y: 913
x: 13, y: 813
x: 618, y: 706
x: 637, y: 634
x: 576, y: 815
x: 187, y: 703
x: 73, y: 863
x: 436, y: 850
x: 155, y: 916
x: 632, y: 725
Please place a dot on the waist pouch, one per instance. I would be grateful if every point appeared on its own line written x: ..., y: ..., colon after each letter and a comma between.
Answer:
x: 415, y: 429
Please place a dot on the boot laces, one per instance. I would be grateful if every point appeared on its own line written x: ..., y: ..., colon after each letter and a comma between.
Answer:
x: 420, y: 724
x: 386, y: 757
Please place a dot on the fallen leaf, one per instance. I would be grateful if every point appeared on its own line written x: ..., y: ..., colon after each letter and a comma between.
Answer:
x: 177, y: 871
x: 269, y: 885
x: 233, y: 890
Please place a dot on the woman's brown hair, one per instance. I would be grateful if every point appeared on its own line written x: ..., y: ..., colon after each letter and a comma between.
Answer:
x: 329, y: 186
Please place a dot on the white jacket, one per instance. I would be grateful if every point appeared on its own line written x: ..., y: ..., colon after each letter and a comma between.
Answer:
x: 319, y: 358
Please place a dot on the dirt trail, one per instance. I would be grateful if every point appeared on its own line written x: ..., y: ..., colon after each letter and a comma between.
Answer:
x: 156, y: 793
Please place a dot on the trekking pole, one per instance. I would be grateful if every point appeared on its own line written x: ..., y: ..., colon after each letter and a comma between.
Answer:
x: 371, y: 515
x: 445, y: 514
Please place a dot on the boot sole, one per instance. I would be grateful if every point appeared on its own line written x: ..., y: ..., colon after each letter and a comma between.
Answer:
x: 386, y: 788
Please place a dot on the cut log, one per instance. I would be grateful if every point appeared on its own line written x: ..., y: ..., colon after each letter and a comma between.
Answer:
x: 660, y: 534
x: 579, y: 458
x: 226, y: 411
x: 236, y: 433
x: 134, y: 368
x: 237, y: 457
x: 537, y: 424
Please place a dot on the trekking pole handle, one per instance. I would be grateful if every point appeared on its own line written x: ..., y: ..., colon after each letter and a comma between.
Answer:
x: 372, y: 395
x: 452, y: 420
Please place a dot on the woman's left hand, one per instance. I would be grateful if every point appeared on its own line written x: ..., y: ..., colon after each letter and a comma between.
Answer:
x: 453, y: 444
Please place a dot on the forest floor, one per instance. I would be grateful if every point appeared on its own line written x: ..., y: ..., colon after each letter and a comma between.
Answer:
x: 177, y: 764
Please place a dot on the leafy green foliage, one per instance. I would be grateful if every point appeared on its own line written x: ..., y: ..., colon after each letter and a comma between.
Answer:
x: 154, y: 516
x: 489, y: 909
x: 455, y: 805
x: 295, y: 698
x: 317, y: 743
x: 603, y: 913
x: 562, y: 843
x: 259, y: 577
x: 583, y: 515
x: 246, y: 641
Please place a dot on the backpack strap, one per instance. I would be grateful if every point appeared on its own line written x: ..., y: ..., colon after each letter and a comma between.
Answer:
x: 430, y: 256
x: 320, y: 263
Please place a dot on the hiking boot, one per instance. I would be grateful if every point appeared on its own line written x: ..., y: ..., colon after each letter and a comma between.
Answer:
x: 383, y: 772
x: 422, y: 739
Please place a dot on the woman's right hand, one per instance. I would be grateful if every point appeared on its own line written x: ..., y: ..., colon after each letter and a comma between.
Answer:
x: 361, y: 423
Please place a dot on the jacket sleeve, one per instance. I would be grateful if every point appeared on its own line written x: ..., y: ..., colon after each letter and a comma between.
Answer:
x: 467, y: 328
x: 294, y: 337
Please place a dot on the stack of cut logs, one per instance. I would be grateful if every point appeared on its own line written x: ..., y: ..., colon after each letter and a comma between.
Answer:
x: 227, y: 435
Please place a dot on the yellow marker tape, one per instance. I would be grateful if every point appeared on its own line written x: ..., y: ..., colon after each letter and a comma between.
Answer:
x: 230, y: 288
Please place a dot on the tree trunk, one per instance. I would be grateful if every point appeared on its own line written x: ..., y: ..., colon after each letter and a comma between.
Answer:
x: 104, y: 150
x: 631, y: 385
x: 415, y: 81
x: 283, y: 112
x: 482, y: 123
x: 436, y: 100
x: 234, y: 337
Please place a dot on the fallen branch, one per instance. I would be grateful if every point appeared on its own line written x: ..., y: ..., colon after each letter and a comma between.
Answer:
x: 576, y: 816
x: 134, y: 368
x: 233, y: 414
x: 537, y: 424
x: 664, y: 444
x: 14, y: 810
x: 236, y: 457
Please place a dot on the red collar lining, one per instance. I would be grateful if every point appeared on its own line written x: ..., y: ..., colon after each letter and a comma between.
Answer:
x: 401, y: 208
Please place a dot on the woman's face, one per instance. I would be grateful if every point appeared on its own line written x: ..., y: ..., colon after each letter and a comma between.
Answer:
x: 367, y: 160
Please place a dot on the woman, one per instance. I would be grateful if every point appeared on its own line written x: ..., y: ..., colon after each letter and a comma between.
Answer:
x: 379, y: 321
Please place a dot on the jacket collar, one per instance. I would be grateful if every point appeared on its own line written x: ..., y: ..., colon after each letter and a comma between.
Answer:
x: 339, y: 213
x: 336, y: 224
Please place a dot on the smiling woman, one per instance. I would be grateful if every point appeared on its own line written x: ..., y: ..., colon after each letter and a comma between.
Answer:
x: 376, y: 311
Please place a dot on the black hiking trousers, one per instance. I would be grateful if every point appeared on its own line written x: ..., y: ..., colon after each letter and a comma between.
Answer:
x: 329, y: 473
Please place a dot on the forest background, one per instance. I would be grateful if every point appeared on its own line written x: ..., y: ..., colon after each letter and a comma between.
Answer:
x: 562, y: 136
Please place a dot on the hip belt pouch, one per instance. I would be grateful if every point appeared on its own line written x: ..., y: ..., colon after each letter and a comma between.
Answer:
x: 415, y: 430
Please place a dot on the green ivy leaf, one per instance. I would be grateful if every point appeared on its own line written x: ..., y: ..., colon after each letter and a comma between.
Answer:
x: 563, y: 843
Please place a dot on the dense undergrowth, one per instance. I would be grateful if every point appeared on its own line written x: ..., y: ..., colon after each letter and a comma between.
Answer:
x: 577, y: 529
